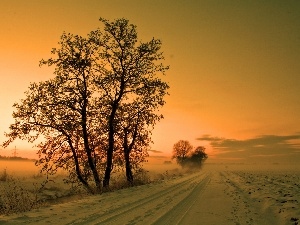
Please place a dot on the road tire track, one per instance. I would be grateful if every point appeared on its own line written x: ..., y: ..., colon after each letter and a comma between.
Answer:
x: 177, y: 213
x: 149, y: 207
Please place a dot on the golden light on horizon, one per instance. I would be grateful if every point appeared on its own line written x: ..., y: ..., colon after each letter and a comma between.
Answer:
x: 234, y: 67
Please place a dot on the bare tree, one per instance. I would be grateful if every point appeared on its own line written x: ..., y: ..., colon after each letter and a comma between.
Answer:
x: 181, y: 151
x: 187, y: 157
x: 103, y: 99
x: 130, y: 72
x: 197, y: 157
x: 61, y: 110
x: 137, y: 123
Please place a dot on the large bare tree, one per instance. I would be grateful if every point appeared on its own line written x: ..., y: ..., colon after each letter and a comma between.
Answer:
x: 131, y: 76
x: 104, y: 98
x: 63, y: 110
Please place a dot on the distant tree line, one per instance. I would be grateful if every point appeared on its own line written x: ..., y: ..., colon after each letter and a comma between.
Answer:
x: 186, y: 157
x: 15, y: 158
x: 96, y: 114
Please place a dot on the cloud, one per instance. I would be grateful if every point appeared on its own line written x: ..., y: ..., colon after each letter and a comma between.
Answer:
x: 272, y: 146
x: 155, y: 151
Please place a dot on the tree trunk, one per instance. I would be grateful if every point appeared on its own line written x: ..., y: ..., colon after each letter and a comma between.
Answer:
x: 108, y: 169
x: 111, y: 133
x: 110, y: 150
x: 95, y: 172
x: 129, y: 174
x: 88, y: 151
x: 77, y: 168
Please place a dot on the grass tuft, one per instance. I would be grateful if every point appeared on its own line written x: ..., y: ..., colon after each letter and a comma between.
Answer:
x: 4, y: 176
x: 15, y: 198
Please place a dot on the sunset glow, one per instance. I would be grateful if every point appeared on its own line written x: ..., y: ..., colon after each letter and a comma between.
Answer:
x: 234, y: 68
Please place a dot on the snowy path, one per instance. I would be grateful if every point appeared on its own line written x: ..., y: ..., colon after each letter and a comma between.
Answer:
x: 142, y: 204
x: 208, y: 197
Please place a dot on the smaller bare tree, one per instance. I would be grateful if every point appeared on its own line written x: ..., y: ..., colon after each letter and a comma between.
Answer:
x: 181, y: 151
x: 197, y: 157
x: 186, y: 157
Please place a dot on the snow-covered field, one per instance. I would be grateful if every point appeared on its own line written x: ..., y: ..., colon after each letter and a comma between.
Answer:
x: 218, y: 194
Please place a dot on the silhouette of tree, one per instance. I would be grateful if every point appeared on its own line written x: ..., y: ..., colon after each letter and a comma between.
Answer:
x: 131, y: 84
x: 63, y: 110
x: 104, y: 99
x: 137, y: 122
x: 181, y: 151
x: 186, y: 157
x: 197, y: 157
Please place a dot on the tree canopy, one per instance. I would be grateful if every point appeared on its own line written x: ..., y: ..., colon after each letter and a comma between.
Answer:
x: 181, y: 151
x: 187, y: 157
x: 97, y: 113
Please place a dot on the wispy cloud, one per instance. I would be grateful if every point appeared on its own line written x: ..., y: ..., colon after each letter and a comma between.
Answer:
x: 260, y: 146
x: 155, y: 151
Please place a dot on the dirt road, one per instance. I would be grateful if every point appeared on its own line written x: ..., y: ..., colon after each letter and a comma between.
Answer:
x: 207, y: 197
x: 216, y: 199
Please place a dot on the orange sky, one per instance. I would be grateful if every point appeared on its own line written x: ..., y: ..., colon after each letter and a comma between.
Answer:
x: 234, y: 64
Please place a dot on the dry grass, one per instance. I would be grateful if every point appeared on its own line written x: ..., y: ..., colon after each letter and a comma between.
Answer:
x: 14, y: 197
x: 4, y: 176
x: 20, y: 192
x: 119, y: 181
x: 141, y: 177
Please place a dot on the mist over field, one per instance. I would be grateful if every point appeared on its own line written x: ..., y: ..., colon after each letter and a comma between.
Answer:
x: 219, y: 193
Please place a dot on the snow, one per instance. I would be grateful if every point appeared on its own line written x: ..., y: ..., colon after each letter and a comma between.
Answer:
x: 215, y: 195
